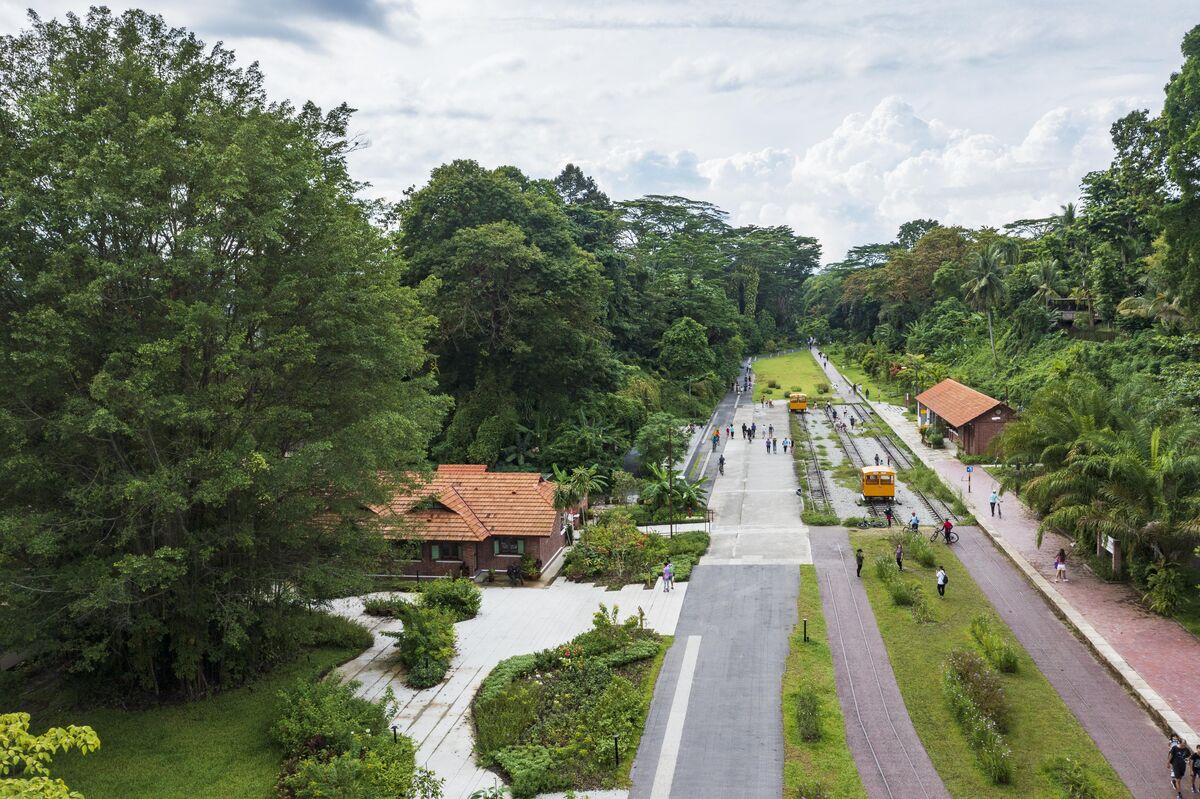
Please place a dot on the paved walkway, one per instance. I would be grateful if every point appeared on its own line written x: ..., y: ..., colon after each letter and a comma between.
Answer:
x: 715, y: 727
x: 889, y: 755
x: 512, y: 621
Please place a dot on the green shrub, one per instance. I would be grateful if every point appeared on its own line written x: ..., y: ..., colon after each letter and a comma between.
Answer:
x: 808, y: 714
x: 326, y: 717
x: 693, y: 543
x: 631, y: 653
x: 822, y: 388
x: 1068, y: 775
x: 988, y: 745
x: 682, y: 568
x: 819, y: 518
x: 327, y: 629
x: 917, y: 547
x: 922, y: 612
x: 382, y: 769
x: 903, y: 592
x: 996, y: 648
x: 503, y: 719
x: 426, y: 644
x: 813, y: 788
x: 460, y: 597
x: 885, y: 568
x: 383, y: 606
x: 503, y: 674
x: 530, y: 769
x: 982, y: 686
x: 772, y: 384
x: 1165, y: 583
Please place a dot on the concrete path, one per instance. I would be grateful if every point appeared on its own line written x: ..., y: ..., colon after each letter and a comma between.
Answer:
x: 512, y: 621
x: 890, y: 757
x: 715, y: 727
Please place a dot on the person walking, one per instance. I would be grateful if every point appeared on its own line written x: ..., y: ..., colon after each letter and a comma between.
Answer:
x: 721, y: 464
x: 1177, y: 760
x: 753, y: 429
x: 900, y: 556
x: 775, y: 445
x: 858, y: 559
x: 941, y: 581
x: 786, y: 441
x: 668, y: 577
x: 1060, y: 566
x: 914, y: 522
x: 1195, y: 768
x: 770, y: 429
x: 768, y: 443
x: 994, y: 500
x: 889, y: 514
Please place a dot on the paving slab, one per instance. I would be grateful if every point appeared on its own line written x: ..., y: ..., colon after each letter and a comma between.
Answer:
x: 512, y: 621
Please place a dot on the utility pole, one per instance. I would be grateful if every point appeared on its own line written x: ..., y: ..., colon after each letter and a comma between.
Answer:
x: 670, y: 484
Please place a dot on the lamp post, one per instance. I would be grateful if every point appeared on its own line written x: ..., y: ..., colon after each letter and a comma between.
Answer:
x: 670, y: 485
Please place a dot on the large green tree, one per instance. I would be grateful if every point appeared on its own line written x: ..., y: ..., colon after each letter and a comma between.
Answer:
x: 208, y: 357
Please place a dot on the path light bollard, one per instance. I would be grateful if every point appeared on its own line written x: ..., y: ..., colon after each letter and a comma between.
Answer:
x: 806, y: 631
x: 616, y: 751
x: 394, y: 738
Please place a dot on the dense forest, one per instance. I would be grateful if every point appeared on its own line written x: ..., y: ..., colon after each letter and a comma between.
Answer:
x: 1088, y: 319
x: 216, y: 350
x: 565, y: 320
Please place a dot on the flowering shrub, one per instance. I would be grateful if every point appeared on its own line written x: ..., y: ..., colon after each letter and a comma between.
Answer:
x: 978, y: 703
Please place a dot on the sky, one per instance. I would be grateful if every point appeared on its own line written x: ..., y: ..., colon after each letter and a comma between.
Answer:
x: 841, y: 119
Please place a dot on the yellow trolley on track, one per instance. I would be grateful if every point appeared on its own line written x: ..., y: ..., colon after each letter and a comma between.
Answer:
x: 797, y: 402
x: 878, y: 484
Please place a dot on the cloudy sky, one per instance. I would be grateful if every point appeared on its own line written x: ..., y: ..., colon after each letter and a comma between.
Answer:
x: 841, y: 119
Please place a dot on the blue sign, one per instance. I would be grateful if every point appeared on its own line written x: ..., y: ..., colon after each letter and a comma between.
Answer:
x: 970, y: 469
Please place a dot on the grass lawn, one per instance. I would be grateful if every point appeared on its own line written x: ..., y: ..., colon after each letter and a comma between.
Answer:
x: 810, y: 664
x: 797, y: 371
x: 880, y: 391
x: 218, y: 747
x: 1041, y: 724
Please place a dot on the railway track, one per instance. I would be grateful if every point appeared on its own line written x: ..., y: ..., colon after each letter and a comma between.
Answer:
x: 872, y: 424
x: 850, y: 447
x: 818, y: 491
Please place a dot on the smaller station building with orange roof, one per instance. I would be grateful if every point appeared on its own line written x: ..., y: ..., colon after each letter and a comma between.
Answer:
x: 970, y: 418
x: 467, y: 520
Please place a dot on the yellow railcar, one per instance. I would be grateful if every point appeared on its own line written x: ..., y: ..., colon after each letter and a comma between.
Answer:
x: 797, y: 402
x: 878, y: 483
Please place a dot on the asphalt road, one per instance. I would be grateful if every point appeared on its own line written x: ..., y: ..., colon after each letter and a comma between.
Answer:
x: 730, y: 738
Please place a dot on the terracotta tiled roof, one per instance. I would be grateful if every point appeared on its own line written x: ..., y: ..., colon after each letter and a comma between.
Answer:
x: 466, y: 502
x: 956, y: 403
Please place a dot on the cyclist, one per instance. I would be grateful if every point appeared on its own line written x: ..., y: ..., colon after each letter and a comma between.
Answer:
x: 914, y: 522
x: 947, y: 526
x: 721, y: 464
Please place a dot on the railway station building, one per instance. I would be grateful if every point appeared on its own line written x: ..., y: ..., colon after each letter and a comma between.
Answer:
x: 968, y: 417
x: 464, y: 520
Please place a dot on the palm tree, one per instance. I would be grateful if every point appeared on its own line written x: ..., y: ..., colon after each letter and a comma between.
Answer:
x: 1049, y: 279
x: 586, y: 480
x: 565, y: 496
x: 691, y: 496
x: 984, y: 288
x: 1160, y: 307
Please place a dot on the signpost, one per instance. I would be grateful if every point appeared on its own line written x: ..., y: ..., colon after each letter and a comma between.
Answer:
x: 969, y: 470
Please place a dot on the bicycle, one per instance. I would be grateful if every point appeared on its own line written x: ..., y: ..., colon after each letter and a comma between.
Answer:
x: 864, y: 524
x: 951, y: 537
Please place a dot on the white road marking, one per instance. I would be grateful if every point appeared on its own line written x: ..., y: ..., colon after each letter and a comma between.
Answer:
x: 664, y: 774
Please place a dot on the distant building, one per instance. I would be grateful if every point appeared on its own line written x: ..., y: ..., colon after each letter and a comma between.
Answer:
x: 969, y: 418
x: 467, y: 520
